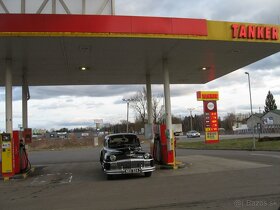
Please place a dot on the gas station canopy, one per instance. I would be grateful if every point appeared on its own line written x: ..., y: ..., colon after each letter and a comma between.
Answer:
x: 53, y: 49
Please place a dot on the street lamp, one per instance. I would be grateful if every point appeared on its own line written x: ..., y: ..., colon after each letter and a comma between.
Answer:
x: 254, y: 140
x: 127, y: 110
x: 191, y: 109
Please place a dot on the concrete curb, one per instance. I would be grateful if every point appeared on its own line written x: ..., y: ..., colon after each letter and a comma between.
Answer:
x: 18, y: 176
x: 178, y: 165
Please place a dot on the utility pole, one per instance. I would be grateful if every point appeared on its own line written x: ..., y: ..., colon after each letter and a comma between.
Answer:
x: 113, y: 7
x: 254, y: 140
x: 127, y: 111
x: 191, y: 109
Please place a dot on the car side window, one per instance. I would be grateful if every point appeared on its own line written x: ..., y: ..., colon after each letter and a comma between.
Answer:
x: 104, y: 141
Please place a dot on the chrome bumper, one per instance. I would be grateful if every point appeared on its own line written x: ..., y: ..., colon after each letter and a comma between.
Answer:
x: 128, y: 166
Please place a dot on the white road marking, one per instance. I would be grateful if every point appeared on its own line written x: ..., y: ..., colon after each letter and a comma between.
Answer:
x: 70, y: 179
x: 266, y: 155
x: 34, y: 181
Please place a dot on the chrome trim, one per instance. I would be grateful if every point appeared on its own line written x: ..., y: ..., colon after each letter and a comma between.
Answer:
x: 142, y: 169
x: 132, y: 160
x: 122, y: 171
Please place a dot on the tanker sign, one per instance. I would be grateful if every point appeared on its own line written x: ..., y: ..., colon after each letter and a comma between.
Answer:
x: 255, y: 32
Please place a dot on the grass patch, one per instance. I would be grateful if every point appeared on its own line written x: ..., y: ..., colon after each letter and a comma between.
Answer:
x: 235, y: 144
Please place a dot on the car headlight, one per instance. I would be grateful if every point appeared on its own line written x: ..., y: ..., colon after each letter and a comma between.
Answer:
x: 146, y: 156
x: 113, y: 158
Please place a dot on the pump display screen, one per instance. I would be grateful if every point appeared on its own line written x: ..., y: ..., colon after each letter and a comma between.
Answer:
x: 6, y: 137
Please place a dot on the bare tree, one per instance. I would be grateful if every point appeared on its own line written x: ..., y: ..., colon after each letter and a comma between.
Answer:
x: 157, y: 108
x: 229, y: 121
x: 139, y: 104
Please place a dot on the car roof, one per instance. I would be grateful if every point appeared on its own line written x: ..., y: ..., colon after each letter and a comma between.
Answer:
x: 120, y: 134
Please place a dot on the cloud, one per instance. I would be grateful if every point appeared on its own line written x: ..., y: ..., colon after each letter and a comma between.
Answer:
x: 245, y: 11
x: 270, y: 63
x: 76, y: 123
x: 73, y: 105
x: 241, y: 11
x: 79, y: 91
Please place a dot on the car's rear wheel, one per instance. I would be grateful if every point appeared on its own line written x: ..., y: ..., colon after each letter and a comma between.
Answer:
x: 148, y: 174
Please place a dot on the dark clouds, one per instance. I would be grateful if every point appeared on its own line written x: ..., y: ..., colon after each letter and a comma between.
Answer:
x: 124, y: 91
x: 243, y: 11
x: 261, y: 72
x: 90, y: 91
x: 45, y: 92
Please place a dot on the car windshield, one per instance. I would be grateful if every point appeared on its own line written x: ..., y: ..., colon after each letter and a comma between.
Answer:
x: 119, y: 141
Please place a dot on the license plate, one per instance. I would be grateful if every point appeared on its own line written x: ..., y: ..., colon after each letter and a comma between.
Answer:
x: 132, y: 170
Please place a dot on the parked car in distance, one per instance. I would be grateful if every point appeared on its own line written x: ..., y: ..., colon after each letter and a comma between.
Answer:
x: 193, y: 134
x: 123, y: 154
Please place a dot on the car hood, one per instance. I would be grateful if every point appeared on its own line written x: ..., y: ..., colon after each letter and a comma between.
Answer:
x: 127, y: 152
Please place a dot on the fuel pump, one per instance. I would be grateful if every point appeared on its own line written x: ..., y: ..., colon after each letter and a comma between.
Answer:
x: 22, y: 163
x: 7, y: 155
x: 14, y: 156
x: 160, y: 150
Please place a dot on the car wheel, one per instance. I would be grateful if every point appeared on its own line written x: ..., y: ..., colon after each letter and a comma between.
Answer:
x: 148, y: 174
x: 110, y: 176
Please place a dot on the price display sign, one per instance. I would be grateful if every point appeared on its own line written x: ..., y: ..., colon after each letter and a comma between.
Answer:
x: 209, y: 99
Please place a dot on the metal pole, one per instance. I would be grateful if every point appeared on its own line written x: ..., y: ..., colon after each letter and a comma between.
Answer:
x: 191, y: 119
x: 23, y: 6
x: 9, y: 97
x: 53, y: 6
x: 113, y: 11
x: 150, y: 109
x: 84, y: 7
x: 24, y: 103
x: 167, y: 104
x: 254, y: 140
x: 127, y: 116
x: 167, y: 99
x: 127, y: 112
x: 149, y: 99
x: 191, y: 109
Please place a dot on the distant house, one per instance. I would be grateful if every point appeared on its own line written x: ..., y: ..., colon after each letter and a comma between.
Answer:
x: 271, y: 118
x: 254, y: 119
x: 270, y: 122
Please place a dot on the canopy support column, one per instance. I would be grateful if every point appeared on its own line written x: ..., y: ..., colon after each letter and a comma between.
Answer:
x: 150, y: 109
x: 167, y: 103
x: 9, y: 96
x: 25, y: 98
x: 167, y: 100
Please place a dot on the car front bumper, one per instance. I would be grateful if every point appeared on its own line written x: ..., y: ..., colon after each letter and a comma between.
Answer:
x: 129, y: 166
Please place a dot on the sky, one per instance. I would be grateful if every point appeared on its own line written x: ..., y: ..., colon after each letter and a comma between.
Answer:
x: 78, y: 106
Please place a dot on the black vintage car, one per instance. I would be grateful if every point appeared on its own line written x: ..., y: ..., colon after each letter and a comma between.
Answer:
x: 122, y: 154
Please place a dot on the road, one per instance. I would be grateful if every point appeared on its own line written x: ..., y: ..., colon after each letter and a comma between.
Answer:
x: 223, y: 137
x: 72, y: 179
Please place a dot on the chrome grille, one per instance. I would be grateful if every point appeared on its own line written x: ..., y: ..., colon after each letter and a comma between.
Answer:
x: 130, y: 164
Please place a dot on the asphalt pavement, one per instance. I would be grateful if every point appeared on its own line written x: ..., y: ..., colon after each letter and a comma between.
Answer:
x: 228, y: 136
x: 214, y: 179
